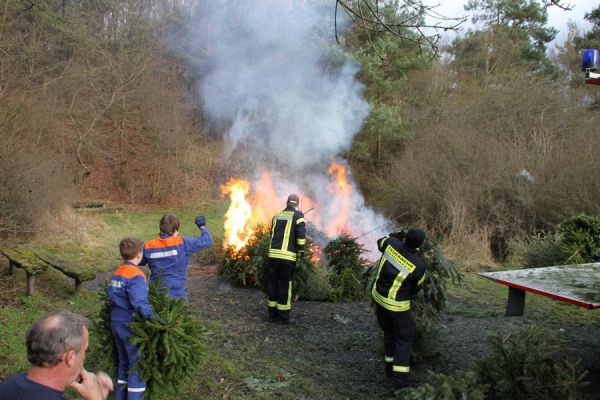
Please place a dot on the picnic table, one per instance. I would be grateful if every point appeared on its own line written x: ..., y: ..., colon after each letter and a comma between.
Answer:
x: 577, y: 284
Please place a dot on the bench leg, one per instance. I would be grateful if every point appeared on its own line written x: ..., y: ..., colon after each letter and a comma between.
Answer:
x: 30, y: 280
x: 516, y: 303
x: 11, y: 267
x: 77, y: 285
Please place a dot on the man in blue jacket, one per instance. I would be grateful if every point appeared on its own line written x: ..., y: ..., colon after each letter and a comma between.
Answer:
x: 169, y: 254
x: 128, y: 293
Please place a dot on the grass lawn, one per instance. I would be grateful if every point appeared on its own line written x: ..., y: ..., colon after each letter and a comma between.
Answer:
x: 53, y: 291
x: 230, y: 368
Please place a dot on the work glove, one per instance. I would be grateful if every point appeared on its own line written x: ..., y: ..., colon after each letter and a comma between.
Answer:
x: 200, y: 221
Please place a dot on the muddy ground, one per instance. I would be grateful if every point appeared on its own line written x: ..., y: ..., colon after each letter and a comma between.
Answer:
x: 338, y: 345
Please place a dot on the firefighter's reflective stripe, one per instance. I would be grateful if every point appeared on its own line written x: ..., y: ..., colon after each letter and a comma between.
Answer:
x: 284, y: 255
x: 389, y: 359
x: 421, y: 280
x: 390, y: 304
x: 400, y: 263
x: 299, y: 220
x: 285, y: 216
x: 121, y: 382
x: 288, y: 305
x: 286, y: 235
x: 301, y: 242
x: 271, y: 303
x: 381, y: 242
x: 163, y: 254
x: 401, y: 368
x: 136, y: 390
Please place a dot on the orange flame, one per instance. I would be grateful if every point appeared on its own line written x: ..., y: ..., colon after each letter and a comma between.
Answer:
x: 263, y: 202
x: 341, y: 190
x: 237, y: 229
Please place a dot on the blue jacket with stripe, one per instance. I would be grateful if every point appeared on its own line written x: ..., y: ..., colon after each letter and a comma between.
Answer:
x: 128, y: 293
x: 168, y: 258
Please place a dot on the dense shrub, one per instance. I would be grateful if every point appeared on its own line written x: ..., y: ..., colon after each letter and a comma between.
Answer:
x: 580, y: 238
x: 540, y: 251
x: 527, y: 365
x: 347, y: 268
x: 575, y: 241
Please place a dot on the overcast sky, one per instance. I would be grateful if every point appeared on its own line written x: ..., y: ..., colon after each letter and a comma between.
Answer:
x: 557, y: 17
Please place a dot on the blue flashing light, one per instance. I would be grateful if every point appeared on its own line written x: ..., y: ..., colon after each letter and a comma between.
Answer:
x: 590, y: 60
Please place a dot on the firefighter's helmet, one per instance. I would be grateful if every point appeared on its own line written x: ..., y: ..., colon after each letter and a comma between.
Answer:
x: 293, y: 200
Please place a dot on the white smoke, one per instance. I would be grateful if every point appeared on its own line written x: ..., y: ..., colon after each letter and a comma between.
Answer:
x: 273, y: 71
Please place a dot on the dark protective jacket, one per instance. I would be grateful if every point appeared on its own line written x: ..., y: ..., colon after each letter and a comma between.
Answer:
x: 168, y: 258
x: 287, y: 234
x: 128, y: 293
x: 400, y: 275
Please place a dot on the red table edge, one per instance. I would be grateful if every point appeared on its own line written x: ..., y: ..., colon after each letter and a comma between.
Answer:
x: 583, y: 304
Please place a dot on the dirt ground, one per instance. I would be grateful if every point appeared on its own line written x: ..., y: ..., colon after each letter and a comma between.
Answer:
x: 338, y: 345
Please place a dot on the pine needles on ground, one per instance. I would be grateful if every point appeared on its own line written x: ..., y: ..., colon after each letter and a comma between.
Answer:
x: 457, y: 386
x: 527, y: 365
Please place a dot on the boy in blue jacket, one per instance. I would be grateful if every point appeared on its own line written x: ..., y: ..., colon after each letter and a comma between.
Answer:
x: 128, y: 293
x: 169, y: 254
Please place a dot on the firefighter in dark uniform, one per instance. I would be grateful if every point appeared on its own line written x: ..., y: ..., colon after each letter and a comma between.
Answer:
x: 287, y: 239
x: 400, y: 276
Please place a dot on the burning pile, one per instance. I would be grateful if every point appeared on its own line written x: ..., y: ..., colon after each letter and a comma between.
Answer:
x: 247, y: 224
x: 249, y: 209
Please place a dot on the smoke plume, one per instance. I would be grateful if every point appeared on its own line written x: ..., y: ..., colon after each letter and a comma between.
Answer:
x: 273, y: 73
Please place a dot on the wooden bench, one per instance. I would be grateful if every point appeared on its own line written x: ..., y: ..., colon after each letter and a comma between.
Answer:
x: 76, y: 271
x: 37, y: 261
x: 22, y: 257
x: 577, y: 284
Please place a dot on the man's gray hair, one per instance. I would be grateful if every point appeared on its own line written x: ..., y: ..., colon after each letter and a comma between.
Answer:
x: 52, y: 335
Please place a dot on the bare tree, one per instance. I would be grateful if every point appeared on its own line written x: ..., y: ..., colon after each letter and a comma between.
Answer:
x: 369, y: 15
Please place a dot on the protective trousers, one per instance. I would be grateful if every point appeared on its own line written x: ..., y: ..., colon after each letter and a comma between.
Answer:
x: 398, y: 336
x: 129, y: 383
x: 280, y: 274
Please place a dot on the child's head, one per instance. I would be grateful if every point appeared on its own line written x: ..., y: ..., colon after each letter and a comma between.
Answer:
x: 130, y: 248
x: 169, y: 224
